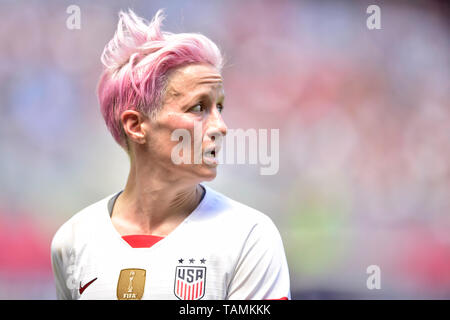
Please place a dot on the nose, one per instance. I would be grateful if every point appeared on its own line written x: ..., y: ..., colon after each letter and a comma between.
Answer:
x: 216, y: 125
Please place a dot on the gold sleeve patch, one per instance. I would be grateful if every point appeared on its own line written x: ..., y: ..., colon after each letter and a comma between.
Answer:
x: 131, y: 284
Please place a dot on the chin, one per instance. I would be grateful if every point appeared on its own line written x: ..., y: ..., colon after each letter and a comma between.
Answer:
x: 208, y: 173
x: 198, y: 172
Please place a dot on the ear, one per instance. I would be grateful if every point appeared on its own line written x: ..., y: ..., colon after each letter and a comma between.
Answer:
x: 133, y: 125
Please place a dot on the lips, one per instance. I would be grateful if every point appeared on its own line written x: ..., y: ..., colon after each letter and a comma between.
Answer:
x: 210, y: 154
x: 211, y: 151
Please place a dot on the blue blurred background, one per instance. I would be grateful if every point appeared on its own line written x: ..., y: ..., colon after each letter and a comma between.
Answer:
x: 364, y: 119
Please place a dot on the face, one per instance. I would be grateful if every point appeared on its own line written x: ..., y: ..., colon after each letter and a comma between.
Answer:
x: 193, y: 102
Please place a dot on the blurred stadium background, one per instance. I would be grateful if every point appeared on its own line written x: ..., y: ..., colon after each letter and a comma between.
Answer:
x: 364, y: 119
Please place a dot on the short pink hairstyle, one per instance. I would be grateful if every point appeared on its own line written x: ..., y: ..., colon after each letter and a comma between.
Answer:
x: 137, y: 62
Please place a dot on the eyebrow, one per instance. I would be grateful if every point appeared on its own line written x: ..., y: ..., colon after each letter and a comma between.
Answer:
x: 204, y: 95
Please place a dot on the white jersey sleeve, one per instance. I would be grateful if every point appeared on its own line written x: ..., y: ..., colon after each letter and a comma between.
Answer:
x: 261, y: 272
x: 58, y: 254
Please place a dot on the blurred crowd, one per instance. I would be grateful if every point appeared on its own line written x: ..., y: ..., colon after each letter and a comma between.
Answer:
x: 364, y: 120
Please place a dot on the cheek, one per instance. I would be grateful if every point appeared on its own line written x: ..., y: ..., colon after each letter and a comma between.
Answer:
x: 162, y: 142
x: 176, y: 121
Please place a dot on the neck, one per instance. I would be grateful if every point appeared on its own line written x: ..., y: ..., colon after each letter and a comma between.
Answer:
x: 153, y: 203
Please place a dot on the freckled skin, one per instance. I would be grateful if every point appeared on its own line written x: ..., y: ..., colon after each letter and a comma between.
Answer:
x: 185, y: 87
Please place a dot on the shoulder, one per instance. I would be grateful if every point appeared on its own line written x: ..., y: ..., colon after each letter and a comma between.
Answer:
x: 80, y: 226
x: 236, y: 215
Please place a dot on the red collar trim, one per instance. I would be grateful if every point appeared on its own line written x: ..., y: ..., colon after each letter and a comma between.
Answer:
x: 141, y: 240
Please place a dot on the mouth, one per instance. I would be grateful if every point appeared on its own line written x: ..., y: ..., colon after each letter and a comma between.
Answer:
x: 209, y: 155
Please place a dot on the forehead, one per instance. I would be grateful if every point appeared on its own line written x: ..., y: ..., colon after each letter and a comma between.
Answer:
x: 194, y: 78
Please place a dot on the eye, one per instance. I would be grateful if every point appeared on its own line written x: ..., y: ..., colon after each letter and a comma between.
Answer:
x: 220, y: 107
x: 197, y: 108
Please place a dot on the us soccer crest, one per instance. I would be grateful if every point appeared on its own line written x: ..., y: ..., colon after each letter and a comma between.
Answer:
x: 190, y: 282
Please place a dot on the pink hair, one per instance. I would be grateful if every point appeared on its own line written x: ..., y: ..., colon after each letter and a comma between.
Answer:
x: 137, y: 62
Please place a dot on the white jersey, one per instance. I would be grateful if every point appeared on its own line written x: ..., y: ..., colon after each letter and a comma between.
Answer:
x: 222, y: 250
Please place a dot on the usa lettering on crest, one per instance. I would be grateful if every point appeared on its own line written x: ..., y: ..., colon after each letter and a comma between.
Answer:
x: 190, y: 282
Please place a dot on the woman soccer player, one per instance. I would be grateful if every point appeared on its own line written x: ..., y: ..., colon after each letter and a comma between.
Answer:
x: 166, y: 235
